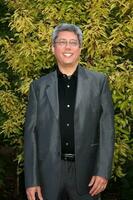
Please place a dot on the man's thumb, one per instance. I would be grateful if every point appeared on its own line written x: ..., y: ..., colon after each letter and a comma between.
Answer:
x: 39, y: 193
x: 92, y: 181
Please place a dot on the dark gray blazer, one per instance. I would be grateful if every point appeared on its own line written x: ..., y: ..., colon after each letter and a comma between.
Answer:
x: 94, y: 131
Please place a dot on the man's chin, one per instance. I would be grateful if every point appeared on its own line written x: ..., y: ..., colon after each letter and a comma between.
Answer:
x: 68, y: 63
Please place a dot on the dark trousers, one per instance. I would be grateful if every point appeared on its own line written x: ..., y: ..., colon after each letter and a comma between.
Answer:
x: 68, y: 189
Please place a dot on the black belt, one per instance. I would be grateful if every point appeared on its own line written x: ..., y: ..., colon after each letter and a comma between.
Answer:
x: 68, y: 157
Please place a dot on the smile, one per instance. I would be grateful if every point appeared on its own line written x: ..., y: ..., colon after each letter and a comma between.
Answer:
x: 67, y: 54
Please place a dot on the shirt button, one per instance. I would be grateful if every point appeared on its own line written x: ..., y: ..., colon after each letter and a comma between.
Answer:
x: 66, y: 143
x: 68, y: 86
x: 68, y: 106
x: 68, y: 124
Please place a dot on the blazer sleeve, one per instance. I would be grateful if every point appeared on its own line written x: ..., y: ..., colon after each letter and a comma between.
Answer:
x: 106, y: 131
x: 30, y: 143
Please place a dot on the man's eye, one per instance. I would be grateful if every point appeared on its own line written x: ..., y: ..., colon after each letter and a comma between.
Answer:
x: 73, y: 43
x: 63, y: 42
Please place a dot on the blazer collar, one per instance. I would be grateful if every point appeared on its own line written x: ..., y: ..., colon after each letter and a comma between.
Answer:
x: 82, y: 85
x: 52, y: 92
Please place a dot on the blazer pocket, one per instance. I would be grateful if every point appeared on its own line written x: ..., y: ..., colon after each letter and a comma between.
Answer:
x: 94, y: 144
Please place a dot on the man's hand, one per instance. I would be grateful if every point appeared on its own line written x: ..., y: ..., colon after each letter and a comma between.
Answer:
x: 97, y: 184
x: 31, y: 191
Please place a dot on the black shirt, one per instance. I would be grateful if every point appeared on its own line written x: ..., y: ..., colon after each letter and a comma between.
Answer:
x: 67, y: 86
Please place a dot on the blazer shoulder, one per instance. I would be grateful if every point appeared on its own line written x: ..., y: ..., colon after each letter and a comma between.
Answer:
x: 94, y: 75
x: 44, y: 79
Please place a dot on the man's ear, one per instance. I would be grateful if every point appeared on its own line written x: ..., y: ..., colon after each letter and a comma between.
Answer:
x: 53, y: 49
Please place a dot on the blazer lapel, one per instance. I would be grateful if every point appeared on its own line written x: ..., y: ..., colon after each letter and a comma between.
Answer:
x: 52, y: 93
x: 82, y: 85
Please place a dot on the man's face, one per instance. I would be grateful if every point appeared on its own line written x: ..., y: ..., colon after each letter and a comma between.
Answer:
x: 67, y: 49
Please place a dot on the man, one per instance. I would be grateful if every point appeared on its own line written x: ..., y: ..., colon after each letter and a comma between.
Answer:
x: 69, y: 131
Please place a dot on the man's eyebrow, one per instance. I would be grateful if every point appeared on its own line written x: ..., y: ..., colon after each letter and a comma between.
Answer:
x: 62, y: 38
x: 66, y: 39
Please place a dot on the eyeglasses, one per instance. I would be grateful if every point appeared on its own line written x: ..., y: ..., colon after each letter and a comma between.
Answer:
x: 63, y: 43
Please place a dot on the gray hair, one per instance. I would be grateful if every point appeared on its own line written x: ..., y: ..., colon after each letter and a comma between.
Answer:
x: 67, y: 27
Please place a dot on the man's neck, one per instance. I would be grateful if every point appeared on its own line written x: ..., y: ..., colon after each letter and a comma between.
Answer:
x: 68, y: 70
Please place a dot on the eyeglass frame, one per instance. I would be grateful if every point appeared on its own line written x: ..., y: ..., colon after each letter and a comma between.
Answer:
x: 64, y: 43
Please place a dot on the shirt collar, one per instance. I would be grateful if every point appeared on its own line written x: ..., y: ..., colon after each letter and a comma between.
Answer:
x: 60, y: 74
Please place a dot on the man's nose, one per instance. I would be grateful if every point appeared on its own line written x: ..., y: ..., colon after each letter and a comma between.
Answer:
x: 68, y: 45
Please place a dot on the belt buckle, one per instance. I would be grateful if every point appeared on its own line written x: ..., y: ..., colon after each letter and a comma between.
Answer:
x: 68, y: 157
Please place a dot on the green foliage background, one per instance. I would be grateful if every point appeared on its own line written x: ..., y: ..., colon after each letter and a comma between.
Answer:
x: 26, y: 55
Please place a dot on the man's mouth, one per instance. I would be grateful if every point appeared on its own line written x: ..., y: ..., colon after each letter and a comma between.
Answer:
x: 67, y: 54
